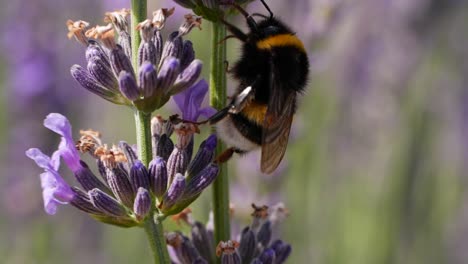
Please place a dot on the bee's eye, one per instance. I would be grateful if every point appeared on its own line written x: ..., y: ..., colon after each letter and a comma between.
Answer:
x: 271, y: 30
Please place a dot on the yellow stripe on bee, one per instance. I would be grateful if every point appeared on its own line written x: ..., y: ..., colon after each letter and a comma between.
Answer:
x: 281, y: 40
x: 255, y: 112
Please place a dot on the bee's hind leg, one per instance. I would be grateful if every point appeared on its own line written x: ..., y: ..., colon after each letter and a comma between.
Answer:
x: 227, y: 155
x: 226, y: 67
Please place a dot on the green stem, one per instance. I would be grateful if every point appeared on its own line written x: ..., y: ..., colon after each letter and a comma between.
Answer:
x: 218, y: 101
x: 154, y: 231
x: 153, y: 228
x: 138, y: 15
x: 143, y: 131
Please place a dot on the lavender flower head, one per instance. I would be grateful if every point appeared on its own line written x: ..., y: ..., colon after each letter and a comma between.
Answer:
x: 164, y: 69
x: 253, y: 245
x: 127, y: 192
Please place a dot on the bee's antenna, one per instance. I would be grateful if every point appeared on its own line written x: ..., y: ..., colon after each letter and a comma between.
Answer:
x: 267, y: 8
x: 250, y: 21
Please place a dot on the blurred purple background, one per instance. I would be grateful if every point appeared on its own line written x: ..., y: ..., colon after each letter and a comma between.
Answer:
x: 376, y: 169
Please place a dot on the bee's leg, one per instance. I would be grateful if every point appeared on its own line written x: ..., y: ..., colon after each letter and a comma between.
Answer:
x: 236, y: 33
x: 218, y: 116
x: 226, y: 66
x: 226, y: 38
x: 250, y: 21
x: 236, y: 105
x: 260, y: 15
x: 224, y: 156
x: 240, y: 100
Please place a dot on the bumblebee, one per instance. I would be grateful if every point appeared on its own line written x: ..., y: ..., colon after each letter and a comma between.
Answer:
x: 272, y: 71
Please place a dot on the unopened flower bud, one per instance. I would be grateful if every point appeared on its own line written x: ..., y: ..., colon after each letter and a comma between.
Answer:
x: 282, y: 251
x: 267, y: 256
x: 128, y: 86
x: 188, y: 54
x: 102, y: 73
x: 120, y: 185
x: 264, y: 234
x: 203, y: 157
x: 102, y: 170
x: 120, y: 61
x: 106, y: 203
x: 164, y: 147
x: 174, y: 193
x: 158, y: 176
x: 139, y: 176
x: 177, y: 163
x: 94, y: 50
x: 82, y: 201
x: 142, y: 205
x: 187, y: 251
x: 87, y: 179
x: 187, y: 78
x: 200, y: 181
x: 129, y: 152
x: 85, y: 79
x: 201, y: 240
x: 148, y: 79
x: 168, y: 74
x: 172, y: 48
x: 200, y: 260
x: 158, y: 44
x: 248, y: 245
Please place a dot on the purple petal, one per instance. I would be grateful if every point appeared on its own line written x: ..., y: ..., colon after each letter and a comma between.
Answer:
x: 60, y: 125
x: 55, y: 190
x: 179, y: 99
x: 190, y: 100
x: 207, y: 111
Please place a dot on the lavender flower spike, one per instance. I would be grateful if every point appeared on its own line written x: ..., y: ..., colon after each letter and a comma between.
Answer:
x: 55, y: 190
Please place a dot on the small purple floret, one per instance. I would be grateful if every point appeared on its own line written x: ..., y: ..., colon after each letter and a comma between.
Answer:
x: 60, y: 125
x: 55, y: 190
x: 190, y: 101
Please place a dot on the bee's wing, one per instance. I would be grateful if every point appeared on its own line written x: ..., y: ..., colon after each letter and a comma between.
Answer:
x: 277, y: 124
